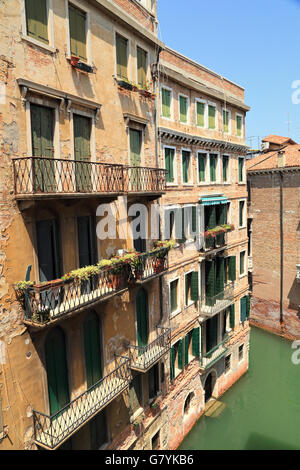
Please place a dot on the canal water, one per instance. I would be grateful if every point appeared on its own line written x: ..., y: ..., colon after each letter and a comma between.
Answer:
x: 262, y: 409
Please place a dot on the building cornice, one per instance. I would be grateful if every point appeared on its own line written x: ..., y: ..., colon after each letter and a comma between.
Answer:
x: 291, y: 169
x: 179, y: 137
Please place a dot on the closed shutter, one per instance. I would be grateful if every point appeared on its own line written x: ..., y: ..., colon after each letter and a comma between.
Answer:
x: 37, y: 20
x: 92, y: 349
x: 210, y: 217
x: 210, y: 282
x: 86, y: 241
x: 201, y: 168
x: 195, y: 341
x: 241, y: 170
x: 211, y: 117
x: 219, y: 276
x: 187, y: 288
x: 239, y: 126
x: 225, y: 167
x: 173, y: 287
x: 185, y: 166
x: 82, y: 146
x: 232, y: 316
x: 232, y: 268
x: 186, y: 349
x: 211, y: 333
x: 183, y: 109
x: 200, y: 114
x: 248, y: 306
x: 213, y: 166
x: 166, y: 103
x: 121, y: 51
x: 180, y: 354
x: 142, y: 66
x: 77, y: 22
x: 135, y: 147
x: 195, y: 286
x: 226, y: 121
x: 48, y: 250
x: 169, y: 159
x: 241, y: 213
x: 172, y: 363
x: 142, y: 318
x: 243, y: 309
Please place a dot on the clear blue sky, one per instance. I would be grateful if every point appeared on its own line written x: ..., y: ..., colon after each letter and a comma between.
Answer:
x: 255, y: 43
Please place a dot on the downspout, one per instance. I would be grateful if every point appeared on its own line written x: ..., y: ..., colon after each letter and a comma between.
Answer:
x: 281, y: 247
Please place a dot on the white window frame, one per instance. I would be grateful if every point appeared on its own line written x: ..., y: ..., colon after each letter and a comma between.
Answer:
x: 199, y: 100
x: 206, y: 182
x: 244, y: 213
x: 229, y: 121
x: 175, y: 170
x: 242, y: 129
x: 79, y: 5
x: 211, y: 103
x: 182, y: 95
x: 191, y: 175
x: 120, y: 32
x: 145, y: 49
x: 244, y: 171
x: 165, y: 87
x: 50, y: 28
x: 176, y: 312
x: 245, y: 267
x: 228, y: 168
x: 230, y: 364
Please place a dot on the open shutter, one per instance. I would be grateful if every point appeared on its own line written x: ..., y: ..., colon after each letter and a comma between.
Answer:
x: 248, y: 306
x: 180, y: 354
x: 186, y: 349
x: 200, y: 114
x: 37, y: 20
x: 172, y: 363
x: 166, y: 103
x: 232, y: 316
x: 195, y: 341
x: 232, y: 268
x: 243, y: 309
x: 195, y: 286
x: 210, y: 217
x: 121, y: 51
x: 142, y: 66
x: 201, y: 168
x: 77, y: 24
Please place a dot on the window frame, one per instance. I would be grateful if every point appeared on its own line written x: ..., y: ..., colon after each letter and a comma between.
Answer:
x: 50, y: 28
x: 182, y: 95
x: 178, y: 310
x: 165, y: 87
x: 175, y: 172
x: 78, y: 5
x: 190, y: 302
x: 241, y: 275
x: 199, y: 100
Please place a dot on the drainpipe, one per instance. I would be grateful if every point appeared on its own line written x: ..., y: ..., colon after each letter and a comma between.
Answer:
x: 281, y: 163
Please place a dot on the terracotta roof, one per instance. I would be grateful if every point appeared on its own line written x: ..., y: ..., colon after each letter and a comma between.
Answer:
x: 278, y: 139
x: 268, y: 161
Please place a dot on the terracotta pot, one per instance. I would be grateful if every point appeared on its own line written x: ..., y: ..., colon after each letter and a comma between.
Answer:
x: 74, y: 60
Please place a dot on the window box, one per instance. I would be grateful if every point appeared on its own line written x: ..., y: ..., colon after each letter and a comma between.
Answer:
x: 212, y: 233
x: 74, y: 60
x: 126, y: 85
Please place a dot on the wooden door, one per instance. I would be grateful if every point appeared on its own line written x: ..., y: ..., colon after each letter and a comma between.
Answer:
x: 135, y: 137
x: 82, y: 146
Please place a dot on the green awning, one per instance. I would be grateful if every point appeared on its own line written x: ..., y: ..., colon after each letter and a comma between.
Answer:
x: 214, y: 200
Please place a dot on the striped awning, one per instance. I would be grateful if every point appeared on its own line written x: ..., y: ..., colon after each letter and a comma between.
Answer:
x: 214, y: 200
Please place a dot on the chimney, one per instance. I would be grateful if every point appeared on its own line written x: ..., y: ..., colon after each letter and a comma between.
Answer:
x: 281, y: 159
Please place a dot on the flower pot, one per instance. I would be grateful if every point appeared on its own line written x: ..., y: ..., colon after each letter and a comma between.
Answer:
x: 74, y: 60
x: 159, y: 265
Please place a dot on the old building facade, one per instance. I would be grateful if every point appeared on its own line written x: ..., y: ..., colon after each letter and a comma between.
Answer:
x: 107, y: 340
x: 273, y: 224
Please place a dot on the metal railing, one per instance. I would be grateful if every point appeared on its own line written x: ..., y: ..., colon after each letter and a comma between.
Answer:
x: 212, y: 243
x: 150, y: 265
x: 55, y: 299
x: 38, y: 176
x: 210, y: 306
x: 212, y: 356
x: 142, y: 358
x: 50, y: 431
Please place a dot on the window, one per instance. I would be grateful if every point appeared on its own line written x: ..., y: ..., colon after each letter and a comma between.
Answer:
x: 226, y: 121
x: 174, y: 295
x: 122, y: 56
x: 135, y: 393
x: 200, y: 113
x: 242, y: 263
x: 241, y: 213
x: 239, y: 125
x: 153, y: 382
x: 225, y: 167
x: 183, y: 105
x: 186, y: 166
x: 191, y: 288
x: 166, y: 103
x: 141, y: 66
x: 211, y: 117
x: 77, y: 25
x: 213, y: 167
x: 241, y: 352
x: 202, y: 159
x: 98, y: 431
x: 227, y: 363
x: 241, y: 169
x: 48, y: 251
x: 155, y: 441
x: 169, y: 164
x: 37, y: 20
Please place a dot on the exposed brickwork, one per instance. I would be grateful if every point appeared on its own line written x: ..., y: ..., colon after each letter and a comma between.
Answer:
x: 140, y: 14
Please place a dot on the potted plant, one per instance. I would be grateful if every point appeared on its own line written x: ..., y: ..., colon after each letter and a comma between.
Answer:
x: 74, y: 60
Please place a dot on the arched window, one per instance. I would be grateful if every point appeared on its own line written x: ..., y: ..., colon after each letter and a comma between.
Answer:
x: 92, y: 348
x: 57, y: 371
x: 187, y: 402
x: 142, y: 317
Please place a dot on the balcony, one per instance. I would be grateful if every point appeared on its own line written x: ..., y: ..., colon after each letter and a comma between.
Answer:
x: 51, y: 431
x: 47, y: 302
x: 210, y: 358
x: 150, y: 265
x: 215, y: 243
x: 142, y: 359
x: 210, y: 306
x: 41, y: 177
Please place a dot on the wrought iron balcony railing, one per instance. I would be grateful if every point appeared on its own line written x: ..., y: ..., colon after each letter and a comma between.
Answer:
x: 150, y: 265
x: 210, y: 306
x: 144, y: 358
x: 212, y: 356
x: 45, y: 303
x: 51, y: 431
x: 41, y: 176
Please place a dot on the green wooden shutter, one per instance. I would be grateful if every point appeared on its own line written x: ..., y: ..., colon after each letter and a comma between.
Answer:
x: 142, y: 318
x: 200, y: 114
x: 37, y: 20
x: 210, y: 282
x: 57, y: 372
x: 211, y: 333
x: 225, y: 167
x: 77, y: 24
x: 172, y: 363
x: 82, y: 146
x: 201, y: 167
x: 173, y: 287
x: 211, y: 214
x: 241, y: 167
x: 213, y: 166
x: 187, y: 287
x: 195, y: 286
x: 241, y: 213
x: 239, y: 126
x: 232, y: 268
x: 219, y: 276
x: 169, y: 159
x: 180, y: 354
x: 166, y: 103
x: 142, y: 66
x: 186, y: 349
x: 183, y: 108
x: 122, y: 59
x: 48, y: 250
x: 232, y: 316
x: 86, y: 241
x: 248, y: 306
x: 195, y: 341
x: 92, y: 349
x: 243, y: 309
x: 211, y: 117
x: 226, y: 121
x: 185, y: 166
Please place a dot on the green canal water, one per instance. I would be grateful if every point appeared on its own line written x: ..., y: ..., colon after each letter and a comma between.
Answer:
x: 262, y: 409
